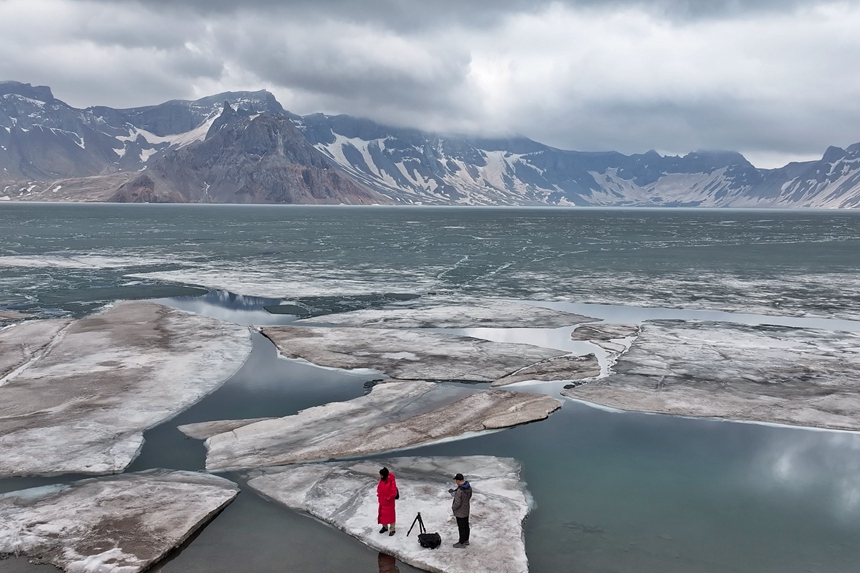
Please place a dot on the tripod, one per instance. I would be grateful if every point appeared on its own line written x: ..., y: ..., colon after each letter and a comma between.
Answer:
x: 420, y: 523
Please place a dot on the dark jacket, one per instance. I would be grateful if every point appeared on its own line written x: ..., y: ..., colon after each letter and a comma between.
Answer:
x: 462, y: 500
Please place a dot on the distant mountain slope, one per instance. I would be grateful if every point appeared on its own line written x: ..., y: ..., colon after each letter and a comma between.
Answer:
x: 253, y: 150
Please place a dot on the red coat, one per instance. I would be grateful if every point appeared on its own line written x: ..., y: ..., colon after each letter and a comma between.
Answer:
x: 385, y: 492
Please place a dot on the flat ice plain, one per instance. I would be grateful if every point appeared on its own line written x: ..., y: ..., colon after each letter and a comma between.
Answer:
x: 343, y: 494
x: 772, y: 374
x: 118, y: 524
x: 394, y: 416
x: 76, y: 398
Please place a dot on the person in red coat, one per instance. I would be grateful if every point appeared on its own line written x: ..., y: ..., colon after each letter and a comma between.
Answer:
x: 386, y: 493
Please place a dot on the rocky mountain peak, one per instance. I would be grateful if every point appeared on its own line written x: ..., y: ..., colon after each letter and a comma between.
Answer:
x: 228, y: 117
x: 38, y: 93
x: 833, y: 154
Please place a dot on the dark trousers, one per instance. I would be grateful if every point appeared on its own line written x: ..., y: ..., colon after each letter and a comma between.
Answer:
x: 463, y: 526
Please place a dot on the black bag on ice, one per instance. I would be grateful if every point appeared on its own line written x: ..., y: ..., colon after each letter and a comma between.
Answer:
x: 428, y: 540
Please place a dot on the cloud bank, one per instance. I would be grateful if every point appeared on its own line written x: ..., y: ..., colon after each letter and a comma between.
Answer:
x: 774, y: 80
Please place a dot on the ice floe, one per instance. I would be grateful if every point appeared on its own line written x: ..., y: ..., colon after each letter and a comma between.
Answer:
x: 118, y: 524
x: 83, y: 404
x: 393, y: 416
x: 344, y: 495
x: 773, y: 374
x: 416, y: 355
x: 441, y: 314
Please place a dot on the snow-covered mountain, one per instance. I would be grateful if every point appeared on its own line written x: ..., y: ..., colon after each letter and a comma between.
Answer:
x: 42, y: 137
x: 252, y: 150
x: 415, y: 167
x: 245, y: 159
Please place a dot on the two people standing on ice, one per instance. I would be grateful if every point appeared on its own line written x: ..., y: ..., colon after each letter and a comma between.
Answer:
x: 386, y: 493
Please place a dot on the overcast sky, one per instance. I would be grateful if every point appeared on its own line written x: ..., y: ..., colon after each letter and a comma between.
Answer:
x: 777, y: 80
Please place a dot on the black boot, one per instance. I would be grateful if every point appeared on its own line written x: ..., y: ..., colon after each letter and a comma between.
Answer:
x: 384, y: 529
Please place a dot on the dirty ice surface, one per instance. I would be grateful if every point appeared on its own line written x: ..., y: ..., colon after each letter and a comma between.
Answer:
x: 343, y: 494
x: 118, y: 524
x: 414, y: 355
x: 82, y: 404
x: 10, y: 315
x: 773, y: 374
x: 393, y: 416
x: 441, y: 313
x: 23, y: 343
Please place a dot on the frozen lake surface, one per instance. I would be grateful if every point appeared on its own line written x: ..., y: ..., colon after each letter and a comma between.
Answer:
x: 623, y: 492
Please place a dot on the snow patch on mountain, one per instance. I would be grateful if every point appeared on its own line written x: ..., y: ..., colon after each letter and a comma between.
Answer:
x: 178, y: 139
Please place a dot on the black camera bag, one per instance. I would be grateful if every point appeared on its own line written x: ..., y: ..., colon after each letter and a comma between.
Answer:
x: 428, y: 540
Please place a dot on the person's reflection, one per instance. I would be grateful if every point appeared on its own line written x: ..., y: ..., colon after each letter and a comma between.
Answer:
x: 387, y: 563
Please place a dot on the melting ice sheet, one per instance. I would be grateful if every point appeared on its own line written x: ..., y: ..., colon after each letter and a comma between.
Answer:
x: 81, y: 393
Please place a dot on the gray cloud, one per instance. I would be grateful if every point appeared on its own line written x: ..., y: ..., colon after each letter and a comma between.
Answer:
x: 410, y: 14
x: 768, y: 78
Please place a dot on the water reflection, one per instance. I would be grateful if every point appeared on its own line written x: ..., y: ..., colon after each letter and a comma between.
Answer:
x: 633, y: 492
x: 795, y: 466
x: 387, y: 563
x: 230, y: 307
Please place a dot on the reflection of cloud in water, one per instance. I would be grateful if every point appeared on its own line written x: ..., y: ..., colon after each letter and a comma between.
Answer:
x: 803, y: 460
x: 229, y: 307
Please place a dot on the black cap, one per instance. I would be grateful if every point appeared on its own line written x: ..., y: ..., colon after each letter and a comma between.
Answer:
x: 384, y: 473
x: 459, y: 477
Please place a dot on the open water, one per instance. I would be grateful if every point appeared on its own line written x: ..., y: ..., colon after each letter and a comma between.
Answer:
x: 615, y: 492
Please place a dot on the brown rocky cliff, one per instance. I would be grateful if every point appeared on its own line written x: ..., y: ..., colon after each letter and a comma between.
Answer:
x: 142, y: 190
x: 261, y: 160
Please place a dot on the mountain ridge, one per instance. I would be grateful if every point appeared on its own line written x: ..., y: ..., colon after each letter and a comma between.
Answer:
x: 204, y: 151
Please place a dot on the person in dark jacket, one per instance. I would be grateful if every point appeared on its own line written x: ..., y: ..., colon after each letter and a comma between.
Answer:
x: 386, y: 493
x: 461, y: 507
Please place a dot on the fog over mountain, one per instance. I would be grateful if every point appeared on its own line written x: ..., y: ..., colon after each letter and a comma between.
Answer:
x: 244, y: 147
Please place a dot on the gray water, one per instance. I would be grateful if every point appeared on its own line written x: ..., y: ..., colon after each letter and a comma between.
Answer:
x: 615, y: 492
